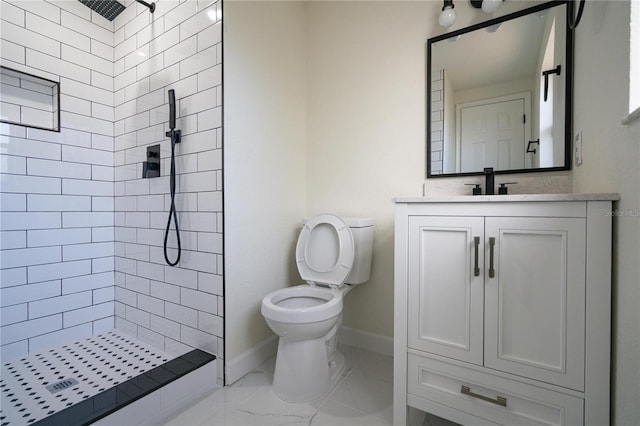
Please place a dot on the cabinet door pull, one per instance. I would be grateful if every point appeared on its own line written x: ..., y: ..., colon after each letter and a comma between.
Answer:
x: 500, y: 400
x: 476, y: 268
x: 492, y: 243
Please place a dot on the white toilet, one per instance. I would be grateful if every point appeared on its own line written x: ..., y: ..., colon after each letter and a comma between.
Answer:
x: 331, y: 252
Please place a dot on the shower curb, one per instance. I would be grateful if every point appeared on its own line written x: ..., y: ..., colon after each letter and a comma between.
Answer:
x: 122, y: 395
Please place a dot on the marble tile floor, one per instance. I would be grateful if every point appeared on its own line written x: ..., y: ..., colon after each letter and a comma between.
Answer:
x: 362, y: 396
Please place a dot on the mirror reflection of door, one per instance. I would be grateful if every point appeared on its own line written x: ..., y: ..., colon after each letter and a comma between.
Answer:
x: 493, y: 133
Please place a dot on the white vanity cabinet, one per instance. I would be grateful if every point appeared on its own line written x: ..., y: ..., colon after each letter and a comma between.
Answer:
x: 502, y: 308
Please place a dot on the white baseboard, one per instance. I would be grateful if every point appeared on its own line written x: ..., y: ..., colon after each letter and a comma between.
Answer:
x: 255, y: 356
x: 366, y: 340
x: 250, y: 359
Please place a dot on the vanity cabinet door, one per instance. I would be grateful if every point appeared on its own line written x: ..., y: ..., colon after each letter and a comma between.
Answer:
x: 445, y: 286
x: 535, y: 298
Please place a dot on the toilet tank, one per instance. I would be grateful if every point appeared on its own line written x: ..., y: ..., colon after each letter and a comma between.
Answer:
x: 362, y: 231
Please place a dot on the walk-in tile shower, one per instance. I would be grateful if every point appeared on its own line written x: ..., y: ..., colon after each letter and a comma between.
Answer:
x: 82, y: 230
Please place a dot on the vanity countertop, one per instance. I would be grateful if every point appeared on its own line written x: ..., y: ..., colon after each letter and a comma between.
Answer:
x: 507, y: 198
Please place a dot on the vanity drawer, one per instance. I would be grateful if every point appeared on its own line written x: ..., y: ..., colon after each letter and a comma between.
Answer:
x: 489, y: 397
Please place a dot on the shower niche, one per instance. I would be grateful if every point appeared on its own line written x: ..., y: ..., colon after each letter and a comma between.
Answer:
x: 29, y: 100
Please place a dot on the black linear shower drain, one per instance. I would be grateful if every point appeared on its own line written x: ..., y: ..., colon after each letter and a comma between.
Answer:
x: 62, y: 385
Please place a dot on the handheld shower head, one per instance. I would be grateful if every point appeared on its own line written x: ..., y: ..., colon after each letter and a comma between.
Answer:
x: 172, y: 109
x: 175, y: 138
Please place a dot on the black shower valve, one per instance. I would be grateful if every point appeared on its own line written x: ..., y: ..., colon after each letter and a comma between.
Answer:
x: 151, y: 167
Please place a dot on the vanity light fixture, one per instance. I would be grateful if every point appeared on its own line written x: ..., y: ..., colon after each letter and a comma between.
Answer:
x: 448, y: 15
x: 487, y: 6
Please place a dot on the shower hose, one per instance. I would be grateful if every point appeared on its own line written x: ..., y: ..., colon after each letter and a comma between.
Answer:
x: 172, y: 208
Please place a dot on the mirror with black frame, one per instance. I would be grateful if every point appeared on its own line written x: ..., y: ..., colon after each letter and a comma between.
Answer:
x: 499, y: 95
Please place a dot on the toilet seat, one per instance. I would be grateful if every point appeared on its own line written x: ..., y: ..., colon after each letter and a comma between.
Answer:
x: 331, y: 267
x: 328, y: 305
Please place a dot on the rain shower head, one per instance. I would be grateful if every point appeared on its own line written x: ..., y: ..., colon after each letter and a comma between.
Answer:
x: 112, y: 8
x: 107, y: 8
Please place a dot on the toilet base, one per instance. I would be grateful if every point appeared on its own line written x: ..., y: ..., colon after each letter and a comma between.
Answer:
x: 337, y: 365
x: 303, y: 372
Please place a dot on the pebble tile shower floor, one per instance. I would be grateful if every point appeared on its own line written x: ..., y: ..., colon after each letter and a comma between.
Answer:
x: 96, y: 363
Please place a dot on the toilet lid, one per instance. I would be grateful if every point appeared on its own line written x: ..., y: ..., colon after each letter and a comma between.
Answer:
x: 325, y: 251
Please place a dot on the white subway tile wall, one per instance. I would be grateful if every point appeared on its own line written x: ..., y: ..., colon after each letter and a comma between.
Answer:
x: 82, y: 232
x: 437, y: 122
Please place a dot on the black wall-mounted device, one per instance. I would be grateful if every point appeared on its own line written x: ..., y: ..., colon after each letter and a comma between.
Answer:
x: 172, y: 133
x: 151, y: 167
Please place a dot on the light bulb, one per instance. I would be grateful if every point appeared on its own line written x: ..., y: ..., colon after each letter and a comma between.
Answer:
x: 490, y: 6
x: 447, y: 16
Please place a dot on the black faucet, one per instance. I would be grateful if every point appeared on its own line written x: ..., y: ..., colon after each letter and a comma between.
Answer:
x: 489, y: 181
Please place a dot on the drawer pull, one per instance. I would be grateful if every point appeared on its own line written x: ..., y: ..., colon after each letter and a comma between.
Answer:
x: 502, y: 401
